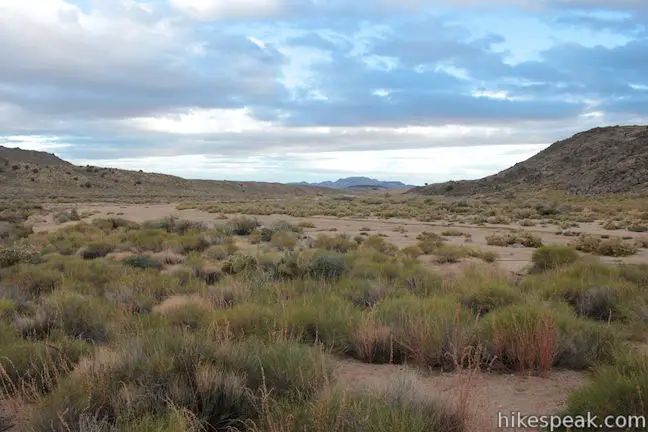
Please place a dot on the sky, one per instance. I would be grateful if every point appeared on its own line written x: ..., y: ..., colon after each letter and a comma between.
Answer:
x: 311, y: 90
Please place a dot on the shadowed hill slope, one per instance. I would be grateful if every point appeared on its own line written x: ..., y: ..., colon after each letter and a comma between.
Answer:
x: 595, y: 162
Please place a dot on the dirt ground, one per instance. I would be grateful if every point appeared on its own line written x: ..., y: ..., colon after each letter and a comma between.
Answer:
x: 509, y: 258
x: 482, y: 396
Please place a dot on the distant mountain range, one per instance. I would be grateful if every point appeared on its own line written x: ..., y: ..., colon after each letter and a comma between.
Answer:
x: 359, y: 182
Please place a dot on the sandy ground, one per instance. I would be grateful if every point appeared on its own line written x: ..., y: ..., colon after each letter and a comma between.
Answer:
x: 482, y: 396
x: 510, y: 258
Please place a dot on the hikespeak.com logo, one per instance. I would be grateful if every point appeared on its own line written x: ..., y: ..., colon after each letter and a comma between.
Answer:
x: 519, y: 421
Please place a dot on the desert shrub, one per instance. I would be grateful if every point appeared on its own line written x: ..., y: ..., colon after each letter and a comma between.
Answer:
x: 291, y: 265
x: 418, y: 281
x: 169, y: 257
x: 240, y: 263
x: 185, y: 312
x: 429, y: 242
x: 28, y: 367
x: 78, y: 316
x: 29, y: 282
x: 524, y: 238
x: 608, y: 247
x: 67, y: 216
x: 325, y: 319
x: 329, y: 267
x: 637, y: 227
x: 284, y: 240
x: 283, y: 225
x: 148, y: 239
x: 498, y: 240
x: 554, y: 256
x: 220, y: 252
x: 341, y: 243
x: 187, y: 243
x: 265, y: 234
x: 533, y: 337
x: 17, y: 253
x: 618, y: 391
x: 485, y: 296
x: 173, y: 225
x: 142, y: 262
x: 306, y: 224
x: 95, y: 250
x: 452, y: 233
x: 245, y: 320
x: 412, y: 251
x: 522, y: 337
x: 216, y: 383
x: 243, y: 226
x: 583, y: 343
x: 111, y: 224
x: 426, y: 331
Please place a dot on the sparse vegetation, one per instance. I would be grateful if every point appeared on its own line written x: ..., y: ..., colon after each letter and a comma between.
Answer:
x: 177, y: 325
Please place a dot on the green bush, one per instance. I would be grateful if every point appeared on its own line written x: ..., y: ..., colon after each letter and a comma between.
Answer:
x: 142, y: 262
x: 217, y: 383
x: 619, y: 390
x: 240, y: 263
x: 426, y: 331
x: 29, y: 282
x: 551, y: 257
x: 17, y: 253
x: 36, y: 367
x: 243, y: 226
x: 327, y: 320
x: 80, y: 317
x: 330, y: 267
x: 95, y: 250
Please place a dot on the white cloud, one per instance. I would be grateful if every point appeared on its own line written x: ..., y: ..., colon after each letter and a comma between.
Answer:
x: 202, y: 121
x: 228, y: 9
x: 34, y: 142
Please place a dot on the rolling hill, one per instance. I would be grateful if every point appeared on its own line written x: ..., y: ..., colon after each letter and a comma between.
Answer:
x: 595, y: 162
x: 31, y: 174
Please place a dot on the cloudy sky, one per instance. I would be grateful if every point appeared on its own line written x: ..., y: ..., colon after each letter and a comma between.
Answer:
x: 290, y: 90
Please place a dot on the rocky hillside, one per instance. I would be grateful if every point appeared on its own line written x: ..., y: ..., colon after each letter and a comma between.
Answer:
x: 10, y: 156
x: 598, y: 161
x: 29, y: 174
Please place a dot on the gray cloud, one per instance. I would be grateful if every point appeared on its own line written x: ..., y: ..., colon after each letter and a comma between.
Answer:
x: 78, y: 75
